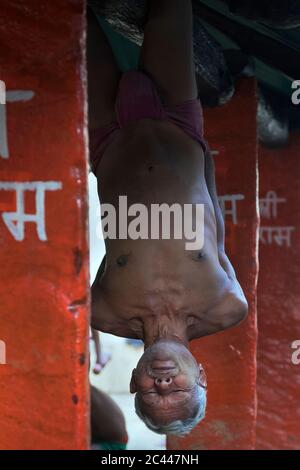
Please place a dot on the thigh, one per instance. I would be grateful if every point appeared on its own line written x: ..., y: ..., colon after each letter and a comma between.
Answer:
x: 167, y: 50
x: 103, y: 75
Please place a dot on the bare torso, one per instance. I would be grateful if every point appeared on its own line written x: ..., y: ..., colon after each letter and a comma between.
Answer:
x: 155, y: 162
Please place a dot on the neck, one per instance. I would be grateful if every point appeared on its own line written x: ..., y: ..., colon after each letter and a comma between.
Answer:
x: 164, y: 327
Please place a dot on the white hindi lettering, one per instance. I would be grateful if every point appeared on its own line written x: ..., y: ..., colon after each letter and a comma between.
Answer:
x: 268, y: 205
x: 228, y: 204
x: 11, y: 96
x: 15, y: 221
x: 280, y: 235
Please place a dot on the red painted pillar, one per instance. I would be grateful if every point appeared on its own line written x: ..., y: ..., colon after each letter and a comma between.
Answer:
x: 278, y: 379
x: 43, y: 227
x: 230, y: 357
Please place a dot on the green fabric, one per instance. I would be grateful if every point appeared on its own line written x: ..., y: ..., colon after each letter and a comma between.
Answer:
x: 112, y: 446
x: 126, y: 52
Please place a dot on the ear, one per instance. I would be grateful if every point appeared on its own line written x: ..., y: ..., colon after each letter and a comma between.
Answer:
x: 133, y: 385
x: 202, y: 377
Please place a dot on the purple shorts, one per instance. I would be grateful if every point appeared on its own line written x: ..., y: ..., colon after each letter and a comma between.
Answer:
x: 137, y: 99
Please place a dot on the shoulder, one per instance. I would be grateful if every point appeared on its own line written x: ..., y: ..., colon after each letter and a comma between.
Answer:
x: 232, y: 308
x: 229, y: 311
x: 106, y: 318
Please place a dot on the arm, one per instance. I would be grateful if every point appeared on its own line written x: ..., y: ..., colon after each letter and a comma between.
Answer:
x: 167, y: 50
x: 211, y: 186
x: 233, y: 307
x: 103, y: 75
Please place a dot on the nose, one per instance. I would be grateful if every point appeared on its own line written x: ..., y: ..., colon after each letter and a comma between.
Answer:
x: 163, y: 383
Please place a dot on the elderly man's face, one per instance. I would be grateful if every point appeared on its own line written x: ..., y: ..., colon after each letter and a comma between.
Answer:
x: 166, y: 380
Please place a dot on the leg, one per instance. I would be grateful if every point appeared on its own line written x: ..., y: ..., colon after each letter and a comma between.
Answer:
x: 103, y: 75
x: 102, y: 357
x: 167, y: 51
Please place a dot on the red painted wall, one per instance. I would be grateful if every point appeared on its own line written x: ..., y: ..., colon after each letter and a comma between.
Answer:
x: 230, y: 357
x: 278, y: 379
x: 44, y: 272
